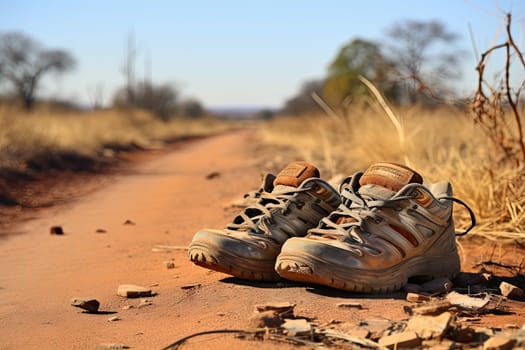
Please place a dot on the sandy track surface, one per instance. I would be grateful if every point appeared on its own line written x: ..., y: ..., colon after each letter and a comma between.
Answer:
x: 168, y: 199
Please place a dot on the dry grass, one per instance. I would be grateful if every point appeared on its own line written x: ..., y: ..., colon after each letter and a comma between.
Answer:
x: 441, y: 144
x: 44, y: 131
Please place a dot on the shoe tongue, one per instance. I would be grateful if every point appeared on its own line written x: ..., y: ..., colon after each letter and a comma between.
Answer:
x: 383, y: 180
x: 294, y: 175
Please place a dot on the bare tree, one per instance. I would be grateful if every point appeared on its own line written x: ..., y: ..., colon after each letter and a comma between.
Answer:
x: 23, y: 63
x: 423, y: 66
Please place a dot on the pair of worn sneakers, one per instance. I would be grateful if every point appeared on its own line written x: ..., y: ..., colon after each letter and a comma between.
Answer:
x: 380, y: 228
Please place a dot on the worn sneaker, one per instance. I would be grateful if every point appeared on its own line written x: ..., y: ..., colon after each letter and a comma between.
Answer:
x: 390, y: 227
x: 285, y: 206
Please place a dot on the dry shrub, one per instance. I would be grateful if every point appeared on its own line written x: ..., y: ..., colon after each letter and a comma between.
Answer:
x: 441, y: 144
x: 44, y: 131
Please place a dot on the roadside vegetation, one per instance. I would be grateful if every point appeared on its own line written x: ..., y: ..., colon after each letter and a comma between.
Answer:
x: 476, y: 143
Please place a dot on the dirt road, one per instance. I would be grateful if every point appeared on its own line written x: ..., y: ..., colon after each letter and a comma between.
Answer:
x: 167, y: 199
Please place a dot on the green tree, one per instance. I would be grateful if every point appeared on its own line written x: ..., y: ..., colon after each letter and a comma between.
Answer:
x: 359, y: 57
x: 23, y: 63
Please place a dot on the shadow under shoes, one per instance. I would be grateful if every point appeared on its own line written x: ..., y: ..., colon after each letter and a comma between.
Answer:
x: 285, y: 206
x: 389, y: 227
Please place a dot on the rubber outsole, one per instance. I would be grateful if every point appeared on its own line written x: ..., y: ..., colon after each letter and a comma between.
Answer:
x: 248, y: 269
x: 307, y: 269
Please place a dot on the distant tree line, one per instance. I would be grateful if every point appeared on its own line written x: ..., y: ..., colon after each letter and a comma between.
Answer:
x: 24, y: 62
x: 416, y: 64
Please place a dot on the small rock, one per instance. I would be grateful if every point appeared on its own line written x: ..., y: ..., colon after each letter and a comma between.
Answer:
x: 128, y: 222
x: 212, y: 175
x: 285, y: 309
x: 297, y: 327
x: 221, y: 314
x: 270, y: 319
x: 112, y: 346
x: 144, y: 302
x: 407, y: 339
x: 349, y: 306
x: 375, y: 327
x: 100, y: 230
x: 430, y: 308
x: 191, y: 286
x: 466, y: 302
x: 510, y: 291
x: 127, y: 307
x: 428, y: 327
x: 169, y: 264
x: 498, y: 342
x: 88, y: 304
x: 437, y: 285
x: 113, y: 319
x: 417, y: 298
x: 56, y: 230
x: 133, y: 291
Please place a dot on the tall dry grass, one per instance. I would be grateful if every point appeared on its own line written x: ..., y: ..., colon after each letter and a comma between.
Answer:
x: 46, y: 130
x: 441, y: 144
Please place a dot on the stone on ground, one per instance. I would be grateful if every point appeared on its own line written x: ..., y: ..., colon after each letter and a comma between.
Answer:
x: 407, y: 339
x: 510, y: 291
x: 133, y: 291
x: 428, y: 327
x: 88, y: 304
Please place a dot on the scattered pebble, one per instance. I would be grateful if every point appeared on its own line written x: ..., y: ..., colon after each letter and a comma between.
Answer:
x: 428, y: 327
x: 349, y: 306
x: 100, y: 230
x: 169, y: 264
x: 128, y: 222
x: 221, y: 314
x: 431, y: 308
x: 113, y: 319
x: 510, y: 291
x: 89, y: 304
x: 417, y: 298
x: 408, y: 339
x: 467, y: 302
x: 127, y: 307
x: 56, y: 230
x: 144, y: 302
x: 133, y: 291
x: 191, y: 286
x: 285, y: 309
x: 212, y: 175
x: 297, y: 327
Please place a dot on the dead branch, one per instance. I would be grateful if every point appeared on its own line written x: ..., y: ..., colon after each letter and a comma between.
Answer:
x: 489, y: 109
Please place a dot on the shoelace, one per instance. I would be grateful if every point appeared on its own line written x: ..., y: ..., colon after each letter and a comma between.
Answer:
x: 264, y: 203
x: 357, y: 208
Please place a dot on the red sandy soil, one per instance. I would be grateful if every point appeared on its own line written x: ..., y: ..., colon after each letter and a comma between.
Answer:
x: 168, y: 197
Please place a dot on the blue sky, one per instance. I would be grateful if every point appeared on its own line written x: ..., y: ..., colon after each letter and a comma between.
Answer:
x: 232, y: 52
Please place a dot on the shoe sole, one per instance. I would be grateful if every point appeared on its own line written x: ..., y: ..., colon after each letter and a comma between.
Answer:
x: 308, y: 269
x: 222, y: 261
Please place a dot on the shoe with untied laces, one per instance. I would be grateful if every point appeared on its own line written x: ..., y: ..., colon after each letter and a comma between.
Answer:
x: 389, y: 227
x: 286, y: 205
